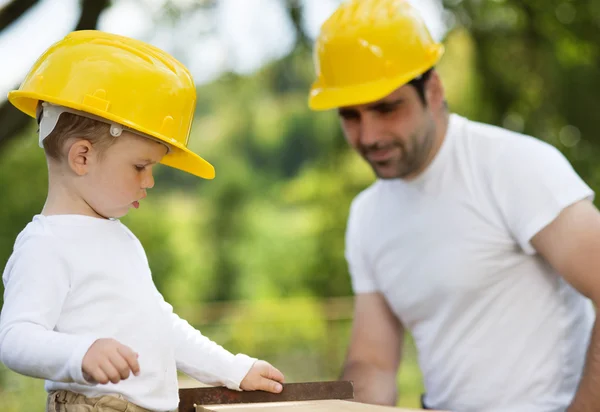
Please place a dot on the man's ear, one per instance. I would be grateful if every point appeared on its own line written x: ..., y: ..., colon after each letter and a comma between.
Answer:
x: 80, y: 156
x: 434, y: 91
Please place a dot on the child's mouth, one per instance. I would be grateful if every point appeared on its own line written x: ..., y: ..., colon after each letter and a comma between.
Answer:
x: 136, y: 204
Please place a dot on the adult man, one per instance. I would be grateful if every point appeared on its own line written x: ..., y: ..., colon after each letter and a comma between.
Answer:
x: 483, y: 243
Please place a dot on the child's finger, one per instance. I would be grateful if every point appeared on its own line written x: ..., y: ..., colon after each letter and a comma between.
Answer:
x: 99, y: 376
x: 274, y: 374
x: 113, y: 374
x: 121, y: 364
x: 269, y: 385
x: 130, y: 357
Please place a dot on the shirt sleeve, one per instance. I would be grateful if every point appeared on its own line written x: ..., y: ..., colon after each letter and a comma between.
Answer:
x: 358, y: 266
x: 533, y: 183
x: 203, y: 359
x: 36, y: 282
x: 198, y: 356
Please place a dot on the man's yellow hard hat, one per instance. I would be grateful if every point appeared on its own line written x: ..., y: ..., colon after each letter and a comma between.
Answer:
x: 122, y: 80
x: 367, y: 49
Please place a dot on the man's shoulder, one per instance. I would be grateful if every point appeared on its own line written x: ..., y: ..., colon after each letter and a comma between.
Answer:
x: 493, y: 145
x: 491, y: 134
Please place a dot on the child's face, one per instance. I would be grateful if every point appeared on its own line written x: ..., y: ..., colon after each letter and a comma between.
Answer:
x: 117, y: 179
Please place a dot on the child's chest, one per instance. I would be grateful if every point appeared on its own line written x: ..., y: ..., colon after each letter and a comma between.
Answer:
x: 112, y: 289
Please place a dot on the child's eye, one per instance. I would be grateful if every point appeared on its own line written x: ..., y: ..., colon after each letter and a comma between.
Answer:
x: 139, y: 168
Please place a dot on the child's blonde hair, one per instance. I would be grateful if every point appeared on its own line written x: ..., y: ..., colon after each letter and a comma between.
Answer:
x: 71, y: 126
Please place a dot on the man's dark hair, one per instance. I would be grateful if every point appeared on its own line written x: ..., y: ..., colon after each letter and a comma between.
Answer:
x: 419, y: 84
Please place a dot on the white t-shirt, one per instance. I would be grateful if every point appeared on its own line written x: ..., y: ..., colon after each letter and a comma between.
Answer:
x: 74, y: 279
x: 496, y: 328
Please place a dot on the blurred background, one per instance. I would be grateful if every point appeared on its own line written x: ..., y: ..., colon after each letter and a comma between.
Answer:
x: 254, y: 258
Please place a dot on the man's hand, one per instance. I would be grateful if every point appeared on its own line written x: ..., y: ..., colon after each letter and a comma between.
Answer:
x: 110, y: 361
x: 264, y: 377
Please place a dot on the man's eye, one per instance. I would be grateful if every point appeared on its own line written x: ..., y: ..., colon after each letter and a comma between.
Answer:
x: 349, y: 115
x: 386, y: 109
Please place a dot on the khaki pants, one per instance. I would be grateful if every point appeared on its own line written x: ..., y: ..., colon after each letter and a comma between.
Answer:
x: 65, y: 401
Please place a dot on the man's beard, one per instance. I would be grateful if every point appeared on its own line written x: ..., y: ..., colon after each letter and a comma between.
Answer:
x: 411, y: 160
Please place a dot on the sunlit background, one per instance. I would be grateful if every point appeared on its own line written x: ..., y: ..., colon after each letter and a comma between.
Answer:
x: 254, y: 258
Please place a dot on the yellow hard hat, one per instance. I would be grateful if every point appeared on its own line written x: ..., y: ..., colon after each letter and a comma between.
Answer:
x: 367, y: 49
x: 123, y: 80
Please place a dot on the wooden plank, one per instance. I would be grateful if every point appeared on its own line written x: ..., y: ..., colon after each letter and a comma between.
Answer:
x: 189, y: 398
x: 331, y: 405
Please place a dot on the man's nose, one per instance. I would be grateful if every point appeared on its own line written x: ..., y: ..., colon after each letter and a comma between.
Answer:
x: 368, y: 131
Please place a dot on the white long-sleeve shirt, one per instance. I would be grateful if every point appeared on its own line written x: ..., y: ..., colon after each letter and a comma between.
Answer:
x: 74, y: 279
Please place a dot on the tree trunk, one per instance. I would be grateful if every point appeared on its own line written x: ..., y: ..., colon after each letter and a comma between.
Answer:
x: 12, y: 120
x: 13, y: 10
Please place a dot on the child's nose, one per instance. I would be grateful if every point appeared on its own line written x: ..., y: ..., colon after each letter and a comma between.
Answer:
x: 148, y: 182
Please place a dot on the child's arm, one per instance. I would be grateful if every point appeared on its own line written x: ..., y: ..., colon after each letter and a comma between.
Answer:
x: 36, y: 281
x: 210, y: 363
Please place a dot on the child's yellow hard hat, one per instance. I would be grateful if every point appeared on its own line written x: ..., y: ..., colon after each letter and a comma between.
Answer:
x: 123, y: 80
x: 367, y: 49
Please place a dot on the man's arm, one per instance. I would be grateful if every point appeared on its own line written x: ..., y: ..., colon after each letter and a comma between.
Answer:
x: 375, y: 350
x: 571, y: 244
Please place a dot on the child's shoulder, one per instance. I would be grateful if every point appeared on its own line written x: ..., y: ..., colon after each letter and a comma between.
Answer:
x: 36, y: 235
x: 37, y: 230
x: 35, y: 246
x: 48, y: 233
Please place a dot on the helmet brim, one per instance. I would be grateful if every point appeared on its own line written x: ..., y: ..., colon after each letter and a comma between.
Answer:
x: 326, y: 98
x: 180, y: 157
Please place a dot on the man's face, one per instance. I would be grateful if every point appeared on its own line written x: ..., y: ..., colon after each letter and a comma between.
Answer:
x: 395, y: 134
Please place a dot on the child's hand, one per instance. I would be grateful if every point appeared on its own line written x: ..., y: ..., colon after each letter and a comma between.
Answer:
x: 264, y: 377
x: 109, y: 361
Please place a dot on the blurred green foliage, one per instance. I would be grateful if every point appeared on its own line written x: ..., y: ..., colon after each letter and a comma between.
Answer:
x: 255, y: 257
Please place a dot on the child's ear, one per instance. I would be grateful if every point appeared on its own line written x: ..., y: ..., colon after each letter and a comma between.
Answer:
x: 80, y: 156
